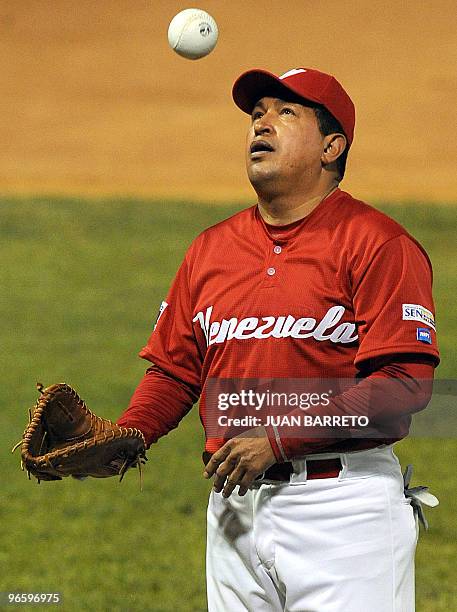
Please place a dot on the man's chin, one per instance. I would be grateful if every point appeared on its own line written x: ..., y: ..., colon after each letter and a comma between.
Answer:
x: 261, y: 173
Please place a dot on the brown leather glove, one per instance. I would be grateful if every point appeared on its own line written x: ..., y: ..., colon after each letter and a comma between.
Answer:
x: 64, y: 438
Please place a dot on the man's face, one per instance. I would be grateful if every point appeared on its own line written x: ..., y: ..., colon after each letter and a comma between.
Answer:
x: 284, y: 145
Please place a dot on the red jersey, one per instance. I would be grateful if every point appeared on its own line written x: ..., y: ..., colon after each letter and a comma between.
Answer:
x: 314, y: 299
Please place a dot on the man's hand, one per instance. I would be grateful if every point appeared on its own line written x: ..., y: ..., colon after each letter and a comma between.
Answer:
x: 240, y: 461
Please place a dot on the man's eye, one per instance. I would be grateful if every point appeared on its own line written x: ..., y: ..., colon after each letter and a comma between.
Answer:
x: 257, y: 115
x: 286, y: 110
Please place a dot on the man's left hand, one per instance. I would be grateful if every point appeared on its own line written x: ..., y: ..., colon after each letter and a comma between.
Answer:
x: 240, y: 461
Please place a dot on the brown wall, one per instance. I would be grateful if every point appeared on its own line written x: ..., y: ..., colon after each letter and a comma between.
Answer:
x: 93, y: 101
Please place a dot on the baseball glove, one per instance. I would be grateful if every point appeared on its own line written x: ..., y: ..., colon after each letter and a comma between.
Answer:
x: 64, y: 438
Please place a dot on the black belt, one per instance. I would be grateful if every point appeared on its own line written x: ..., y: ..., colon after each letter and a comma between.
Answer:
x: 281, y: 472
x: 315, y: 468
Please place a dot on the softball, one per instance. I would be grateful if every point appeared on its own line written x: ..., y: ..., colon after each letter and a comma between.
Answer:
x: 192, y: 33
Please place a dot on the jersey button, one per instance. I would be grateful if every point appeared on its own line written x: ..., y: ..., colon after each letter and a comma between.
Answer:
x: 271, y: 271
x: 277, y: 249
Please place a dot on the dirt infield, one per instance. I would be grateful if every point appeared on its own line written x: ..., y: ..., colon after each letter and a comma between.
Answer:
x: 94, y: 101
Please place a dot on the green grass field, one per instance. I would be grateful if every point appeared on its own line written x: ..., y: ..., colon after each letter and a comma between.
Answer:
x: 81, y: 285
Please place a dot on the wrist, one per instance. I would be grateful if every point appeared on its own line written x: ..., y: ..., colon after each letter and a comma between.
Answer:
x: 276, y: 444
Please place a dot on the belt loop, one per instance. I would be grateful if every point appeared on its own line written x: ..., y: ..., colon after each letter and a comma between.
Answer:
x: 345, y: 464
x: 300, y: 472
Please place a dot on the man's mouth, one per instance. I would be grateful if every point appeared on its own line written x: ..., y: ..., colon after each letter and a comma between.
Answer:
x: 260, y: 146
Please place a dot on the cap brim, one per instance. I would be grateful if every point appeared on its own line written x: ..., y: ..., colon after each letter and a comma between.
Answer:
x: 255, y: 84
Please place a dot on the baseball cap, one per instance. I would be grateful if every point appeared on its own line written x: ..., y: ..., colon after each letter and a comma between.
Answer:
x: 306, y: 83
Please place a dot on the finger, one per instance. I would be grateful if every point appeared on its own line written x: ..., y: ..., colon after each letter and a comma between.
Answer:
x: 245, y: 483
x: 215, y: 460
x: 223, y: 471
x: 233, y: 481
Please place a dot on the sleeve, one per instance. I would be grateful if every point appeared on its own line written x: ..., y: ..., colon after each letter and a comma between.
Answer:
x: 158, y: 404
x: 173, y: 345
x: 392, y: 301
x: 172, y: 385
x: 388, y: 397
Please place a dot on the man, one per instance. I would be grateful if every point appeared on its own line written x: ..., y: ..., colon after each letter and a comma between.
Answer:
x: 309, y: 284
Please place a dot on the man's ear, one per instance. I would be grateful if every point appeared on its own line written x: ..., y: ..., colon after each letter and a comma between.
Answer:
x: 333, y: 147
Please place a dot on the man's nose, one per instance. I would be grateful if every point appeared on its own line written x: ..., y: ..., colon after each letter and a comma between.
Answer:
x: 263, y: 125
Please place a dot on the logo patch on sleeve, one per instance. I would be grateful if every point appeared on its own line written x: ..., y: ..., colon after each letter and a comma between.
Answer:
x: 416, y: 312
x: 163, y: 305
x: 424, y: 335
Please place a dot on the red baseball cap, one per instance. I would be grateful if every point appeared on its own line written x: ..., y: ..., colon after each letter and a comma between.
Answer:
x: 306, y: 83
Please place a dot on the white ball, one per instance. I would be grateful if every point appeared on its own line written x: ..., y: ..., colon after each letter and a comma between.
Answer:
x: 192, y: 33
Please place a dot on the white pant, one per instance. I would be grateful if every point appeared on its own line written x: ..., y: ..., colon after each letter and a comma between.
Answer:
x: 341, y: 544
